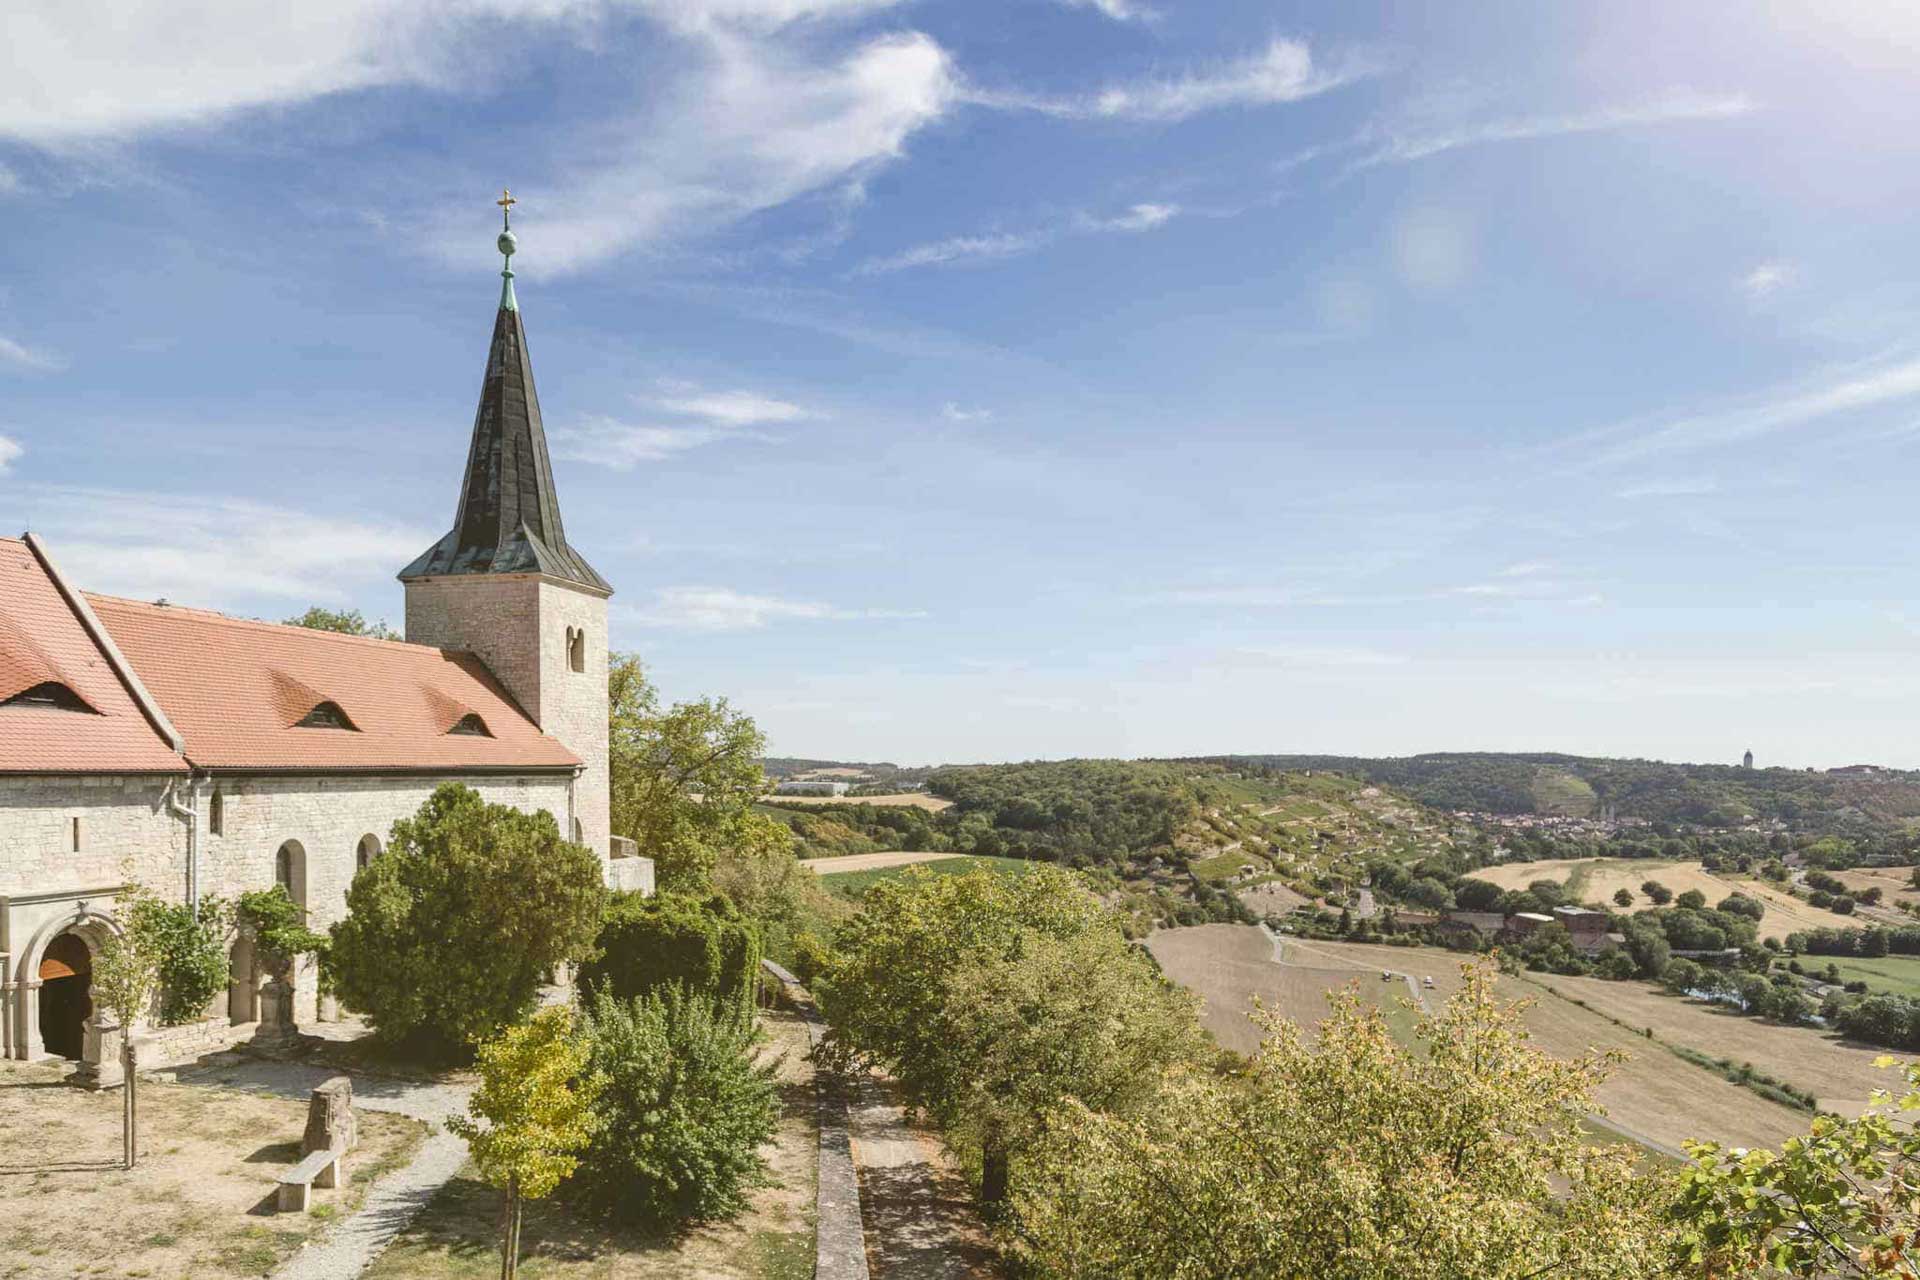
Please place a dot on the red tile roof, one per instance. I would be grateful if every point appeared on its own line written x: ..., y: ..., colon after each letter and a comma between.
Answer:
x: 42, y: 640
x: 236, y: 690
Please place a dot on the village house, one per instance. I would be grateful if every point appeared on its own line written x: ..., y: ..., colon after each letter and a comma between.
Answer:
x: 194, y: 753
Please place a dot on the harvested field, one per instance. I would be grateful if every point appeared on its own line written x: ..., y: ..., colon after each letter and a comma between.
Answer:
x: 1595, y: 880
x: 1838, y: 1072
x: 871, y: 861
x: 1895, y: 882
x: 905, y: 800
x: 1229, y: 965
x: 1654, y: 1097
x: 1272, y: 899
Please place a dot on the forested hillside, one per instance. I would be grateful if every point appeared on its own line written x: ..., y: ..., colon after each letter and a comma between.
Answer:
x: 1849, y: 802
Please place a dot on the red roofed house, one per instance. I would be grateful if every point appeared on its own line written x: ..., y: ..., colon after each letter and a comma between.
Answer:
x: 195, y: 753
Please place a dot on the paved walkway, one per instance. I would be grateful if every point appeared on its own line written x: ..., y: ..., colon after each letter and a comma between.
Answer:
x: 920, y: 1217
x: 351, y: 1246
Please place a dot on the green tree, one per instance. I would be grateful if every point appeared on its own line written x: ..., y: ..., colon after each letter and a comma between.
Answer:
x: 702, y: 945
x: 1350, y: 1157
x: 536, y: 1099
x: 1623, y: 897
x: 126, y: 975
x: 992, y: 998
x: 684, y: 781
x: 1839, y: 1202
x: 1656, y: 892
x: 1691, y: 900
x: 191, y: 943
x: 450, y: 934
x: 687, y: 1108
x: 347, y: 622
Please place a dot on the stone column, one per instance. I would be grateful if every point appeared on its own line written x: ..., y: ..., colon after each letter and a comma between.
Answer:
x: 100, y: 1054
x: 277, y: 1026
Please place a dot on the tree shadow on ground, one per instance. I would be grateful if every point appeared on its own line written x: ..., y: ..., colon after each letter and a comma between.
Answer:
x: 463, y: 1221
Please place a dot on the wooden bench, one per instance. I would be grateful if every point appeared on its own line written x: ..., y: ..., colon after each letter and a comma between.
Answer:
x: 321, y: 1169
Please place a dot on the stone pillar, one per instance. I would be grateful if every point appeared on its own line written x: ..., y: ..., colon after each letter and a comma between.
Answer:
x: 28, y: 997
x: 277, y: 1027
x: 330, y: 1123
x: 100, y: 1054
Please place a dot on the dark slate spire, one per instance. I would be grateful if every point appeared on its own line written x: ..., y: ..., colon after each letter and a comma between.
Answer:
x: 508, y: 520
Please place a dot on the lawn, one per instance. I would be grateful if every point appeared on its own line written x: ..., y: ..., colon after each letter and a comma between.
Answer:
x: 1221, y: 866
x: 199, y: 1204
x: 455, y: 1236
x: 1896, y: 975
x: 855, y: 883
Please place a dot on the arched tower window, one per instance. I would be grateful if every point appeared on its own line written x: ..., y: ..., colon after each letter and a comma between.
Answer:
x: 577, y: 648
x: 369, y: 850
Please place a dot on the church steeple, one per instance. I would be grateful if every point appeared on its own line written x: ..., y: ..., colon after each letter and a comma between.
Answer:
x: 508, y: 520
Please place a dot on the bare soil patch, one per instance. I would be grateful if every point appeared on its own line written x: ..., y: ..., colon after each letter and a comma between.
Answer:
x: 1597, y: 879
x: 455, y: 1236
x: 200, y: 1202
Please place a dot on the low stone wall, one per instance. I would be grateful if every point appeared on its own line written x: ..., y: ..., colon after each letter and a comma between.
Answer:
x: 840, y: 1240
x: 158, y: 1048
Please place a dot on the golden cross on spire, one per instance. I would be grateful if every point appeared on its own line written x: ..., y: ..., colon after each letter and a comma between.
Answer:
x: 506, y: 199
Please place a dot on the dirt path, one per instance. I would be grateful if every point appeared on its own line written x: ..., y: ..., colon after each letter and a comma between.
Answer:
x: 920, y: 1218
x: 873, y: 861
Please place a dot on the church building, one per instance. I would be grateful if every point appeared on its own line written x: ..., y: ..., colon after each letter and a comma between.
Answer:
x: 192, y: 753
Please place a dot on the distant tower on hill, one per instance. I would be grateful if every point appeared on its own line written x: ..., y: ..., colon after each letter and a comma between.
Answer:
x: 1746, y: 761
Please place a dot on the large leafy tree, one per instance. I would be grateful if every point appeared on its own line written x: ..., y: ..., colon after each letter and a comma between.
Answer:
x: 992, y: 998
x: 349, y: 622
x: 450, y: 934
x: 1350, y: 1157
x: 536, y: 1098
x: 684, y: 781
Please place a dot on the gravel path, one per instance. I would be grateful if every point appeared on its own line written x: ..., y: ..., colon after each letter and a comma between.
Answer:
x: 351, y: 1247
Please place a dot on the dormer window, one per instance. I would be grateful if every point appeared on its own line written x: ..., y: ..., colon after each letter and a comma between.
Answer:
x: 50, y: 694
x: 326, y: 715
x: 471, y: 725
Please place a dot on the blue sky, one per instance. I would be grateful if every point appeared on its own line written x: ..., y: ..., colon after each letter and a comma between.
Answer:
x: 1017, y: 378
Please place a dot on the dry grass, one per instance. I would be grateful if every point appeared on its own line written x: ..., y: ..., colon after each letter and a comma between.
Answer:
x: 1895, y: 882
x: 905, y: 800
x: 1597, y: 879
x: 456, y: 1235
x: 199, y: 1204
x: 1840, y: 1073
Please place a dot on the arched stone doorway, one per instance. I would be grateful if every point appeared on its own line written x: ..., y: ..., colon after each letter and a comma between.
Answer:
x: 66, y: 999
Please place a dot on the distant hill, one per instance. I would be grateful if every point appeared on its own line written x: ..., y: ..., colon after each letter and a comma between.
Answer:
x: 1859, y: 800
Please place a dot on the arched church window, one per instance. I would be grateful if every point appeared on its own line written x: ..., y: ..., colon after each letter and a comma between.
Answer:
x: 290, y: 870
x: 368, y: 850
x: 576, y: 648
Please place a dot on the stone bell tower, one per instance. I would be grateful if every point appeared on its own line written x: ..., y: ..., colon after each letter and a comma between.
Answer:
x: 505, y: 585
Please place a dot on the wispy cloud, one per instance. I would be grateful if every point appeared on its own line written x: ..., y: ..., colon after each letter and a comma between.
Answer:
x: 1853, y: 389
x: 986, y: 248
x: 214, y: 551
x: 1118, y: 10
x: 1308, y: 656
x: 33, y: 359
x: 1766, y: 279
x: 719, y: 416
x: 10, y: 451
x: 1402, y: 147
x: 954, y: 413
x: 698, y: 608
x: 1283, y: 72
x: 1670, y: 487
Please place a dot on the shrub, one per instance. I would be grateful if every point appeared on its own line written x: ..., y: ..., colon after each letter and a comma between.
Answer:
x: 684, y: 1112
x: 1692, y: 900
x: 1658, y: 893
x: 1842, y: 905
x: 279, y: 928
x: 192, y: 953
x: 646, y: 944
x: 1740, y: 904
x: 1623, y: 897
x: 450, y: 934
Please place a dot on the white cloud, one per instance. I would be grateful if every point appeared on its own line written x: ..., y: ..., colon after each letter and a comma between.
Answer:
x: 32, y: 359
x: 1527, y: 569
x: 954, y: 413
x: 1674, y: 107
x: 1282, y: 72
x: 1848, y: 390
x: 216, y: 552
x: 10, y: 450
x: 694, y: 608
x: 991, y: 247
x: 1670, y: 487
x: 1118, y: 10
x: 1433, y: 249
x: 735, y: 408
x: 1141, y: 217
x: 1766, y: 279
x: 1318, y: 656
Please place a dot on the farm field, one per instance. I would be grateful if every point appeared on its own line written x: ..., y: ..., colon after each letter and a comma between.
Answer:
x: 1895, y: 882
x: 1896, y: 975
x: 855, y: 881
x: 905, y: 800
x: 1228, y: 965
x: 1838, y: 1072
x: 1596, y: 880
x: 1654, y: 1096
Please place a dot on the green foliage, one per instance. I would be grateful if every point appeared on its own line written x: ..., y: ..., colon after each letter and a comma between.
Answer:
x: 192, y: 952
x: 450, y: 934
x: 702, y: 945
x: 1656, y: 892
x: 279, y: 929
x: 347, y: 622
x: 993, y: 998
x: 126, y: 965
x: 1623, y: 897
x: 684, y: 781
x: 687, y: 1107
x: 1348, y: 1158
x: 1839, y: 1202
